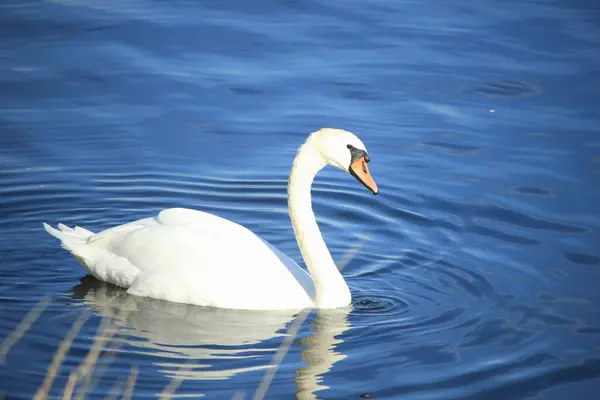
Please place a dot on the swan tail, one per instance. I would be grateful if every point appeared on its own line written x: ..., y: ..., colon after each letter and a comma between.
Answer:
x: 97, y: 261
x: 69, y: 237
x: 72, y: 240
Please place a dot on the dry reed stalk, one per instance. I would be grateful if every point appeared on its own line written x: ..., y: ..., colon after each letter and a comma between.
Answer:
x: 170, y: 389
x: 104, y: 334
x: 93, y: 379
x: 292, y: 332
x: 239, y: 395
x: 128, y: 393
x: 59, y: 355
x: 23, y: 327
x: 280, y: 354
x: 68, y: 393
x: 174, y: 384
x: 351, y: 253
x: 115, y: 390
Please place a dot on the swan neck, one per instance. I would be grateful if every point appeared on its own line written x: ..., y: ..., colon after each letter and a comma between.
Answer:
x: 331, y: 290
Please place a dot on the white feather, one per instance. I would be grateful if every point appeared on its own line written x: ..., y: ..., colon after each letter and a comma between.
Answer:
x: 190, y: 256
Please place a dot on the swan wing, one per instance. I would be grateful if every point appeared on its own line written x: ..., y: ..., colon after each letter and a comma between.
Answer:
x: 190, y: 256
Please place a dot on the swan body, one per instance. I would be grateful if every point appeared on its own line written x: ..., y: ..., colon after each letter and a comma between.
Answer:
x: 189, y: 256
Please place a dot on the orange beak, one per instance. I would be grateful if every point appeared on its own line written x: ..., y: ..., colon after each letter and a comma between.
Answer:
x: 360, y: 171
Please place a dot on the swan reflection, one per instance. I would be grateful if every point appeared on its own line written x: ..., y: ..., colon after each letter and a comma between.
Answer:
x: 202, y: 343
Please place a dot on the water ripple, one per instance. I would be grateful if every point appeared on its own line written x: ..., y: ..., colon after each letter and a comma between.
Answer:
x: 509, y: 88
x: 477, y: 271
x: 380, y: 306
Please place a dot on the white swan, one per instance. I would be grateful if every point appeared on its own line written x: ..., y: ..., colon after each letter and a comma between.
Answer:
x: 189, y: 256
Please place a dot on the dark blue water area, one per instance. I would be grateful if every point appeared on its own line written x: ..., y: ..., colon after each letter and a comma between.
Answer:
x: 478, y: 271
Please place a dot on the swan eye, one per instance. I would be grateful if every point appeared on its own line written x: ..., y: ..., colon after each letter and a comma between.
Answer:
x: 349, y: 146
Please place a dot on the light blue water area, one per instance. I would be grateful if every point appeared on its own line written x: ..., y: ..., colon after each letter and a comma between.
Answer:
x: 479, y: 276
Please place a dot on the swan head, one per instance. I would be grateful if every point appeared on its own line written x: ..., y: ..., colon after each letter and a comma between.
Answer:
x: 344, y: 150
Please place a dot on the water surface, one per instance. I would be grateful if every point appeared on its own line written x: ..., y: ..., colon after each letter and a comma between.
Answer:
x: 477, y: 275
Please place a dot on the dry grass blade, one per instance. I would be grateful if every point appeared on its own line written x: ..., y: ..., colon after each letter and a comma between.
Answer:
x: 170, y: 389
x: 174, y: 384
x: 105, y: 333
x: 59, y: 355
x: 128, y: 393
x: 351, y: 253
x: 239, y: 395
x: 68, y: 393
x: 280, y: 354
x: 261, y: 391
x: 23, y: 327
x: 98, y: 371
x: 115, y: 390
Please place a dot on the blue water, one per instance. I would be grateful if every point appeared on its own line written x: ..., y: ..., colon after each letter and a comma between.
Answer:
x: 477, y: 275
